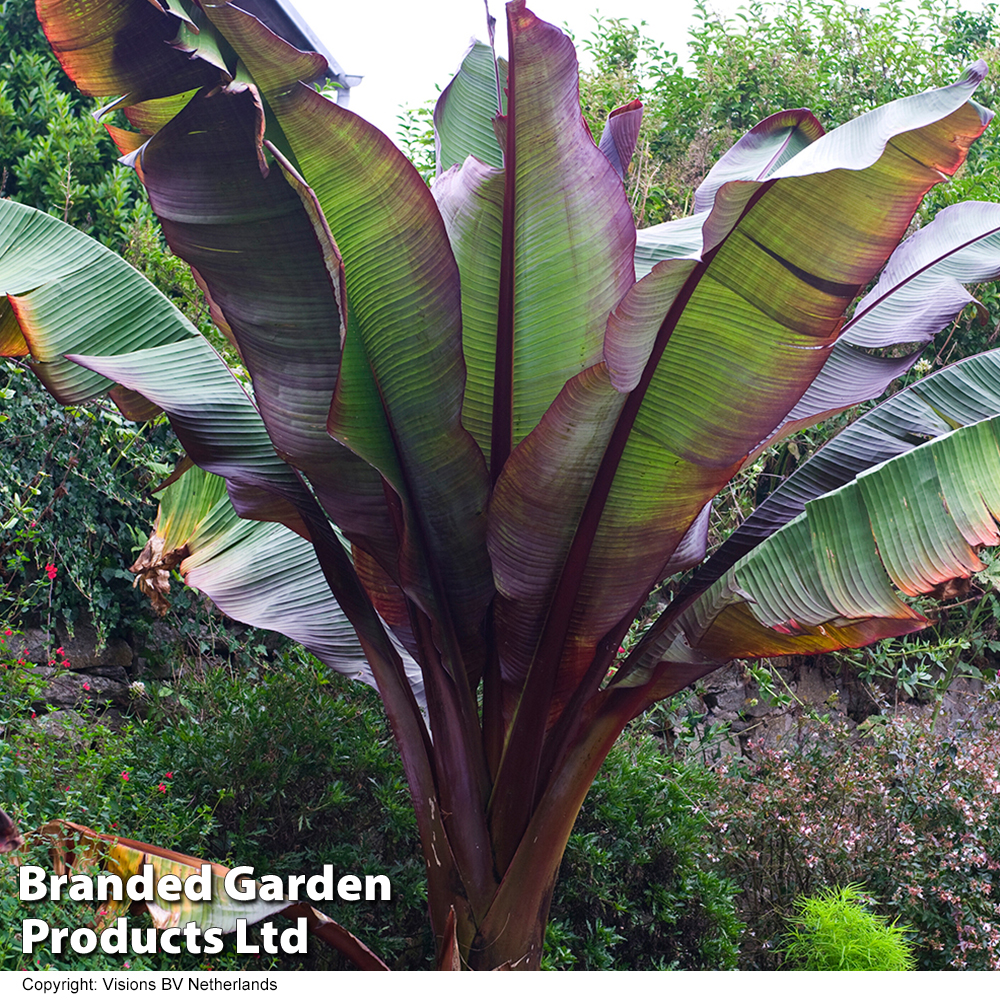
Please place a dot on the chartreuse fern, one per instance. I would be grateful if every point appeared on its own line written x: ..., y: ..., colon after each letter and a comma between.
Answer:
x: 833, y: 931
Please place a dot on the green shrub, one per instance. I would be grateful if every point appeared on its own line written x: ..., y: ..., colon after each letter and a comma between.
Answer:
x: 833, y: 932
x: 635, y: 890
x: 73, y: 497
x: 910, y: 812
x: 276, y: 766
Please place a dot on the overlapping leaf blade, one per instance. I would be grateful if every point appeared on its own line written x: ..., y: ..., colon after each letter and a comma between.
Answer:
x: 257, y: 241
x: 830, y: 577
x: 66, y: 292
x: 733, y: 348
x: 464, y: 113
x: 400, y: 388
x: 123, y: 47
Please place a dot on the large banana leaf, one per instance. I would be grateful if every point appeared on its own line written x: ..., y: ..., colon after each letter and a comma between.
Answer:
x: 402, y: 356
x: 593, y: 503
x: 258, y: 243
x: 899, y: 501
x: 256, y: 572
x: 166, y: 364
x: 829, y: 578
x: 74, y: 300
x: 551, y: 246
x: 130, y: 47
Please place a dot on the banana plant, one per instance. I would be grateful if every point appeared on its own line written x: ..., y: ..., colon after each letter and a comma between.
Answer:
x: 487, y: 419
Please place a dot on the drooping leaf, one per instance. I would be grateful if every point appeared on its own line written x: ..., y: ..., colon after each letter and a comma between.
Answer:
x: 113, y: 47
x: 831, y: 576
x: 260, y: 246
x: 257, y: 573
x: 957, y: 395
x: 66, y: 293
x: 404, y: 418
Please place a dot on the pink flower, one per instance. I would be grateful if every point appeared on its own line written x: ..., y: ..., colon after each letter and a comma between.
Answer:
x: 86, y: 686
x: 51, y: 570
x: 60, y: 651
x: 170, y: 774
x: 8, y: 631
x: 124, y: 775
x: 65, y: 663
x: 161, y: 787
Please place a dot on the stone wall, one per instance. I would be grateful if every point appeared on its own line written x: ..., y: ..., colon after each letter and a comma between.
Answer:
x: 816, y: 684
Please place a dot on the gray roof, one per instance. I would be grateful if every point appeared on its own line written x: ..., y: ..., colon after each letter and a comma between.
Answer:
x: 286, y: 22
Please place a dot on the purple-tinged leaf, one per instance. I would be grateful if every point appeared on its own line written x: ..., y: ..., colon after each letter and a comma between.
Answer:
x: 401, y: 384
x: 919, y: 293
x: 122, y: 47
x: 758, y: 154
x: 621, y: 133
x: 568, y: 237
x: 748, y: 331
x: 259, y: 245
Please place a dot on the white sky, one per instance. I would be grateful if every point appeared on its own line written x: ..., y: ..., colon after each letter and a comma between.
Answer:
x: 403, y: 49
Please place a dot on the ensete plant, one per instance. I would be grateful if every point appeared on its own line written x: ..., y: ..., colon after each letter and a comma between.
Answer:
x: 486, y: 420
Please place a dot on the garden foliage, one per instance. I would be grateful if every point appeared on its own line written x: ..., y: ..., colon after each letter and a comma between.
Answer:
x: 909, y: 813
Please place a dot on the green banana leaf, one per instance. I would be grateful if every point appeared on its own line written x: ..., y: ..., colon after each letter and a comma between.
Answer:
x: 837, y: 545
x: 381, y: 215
x: 464, y: 113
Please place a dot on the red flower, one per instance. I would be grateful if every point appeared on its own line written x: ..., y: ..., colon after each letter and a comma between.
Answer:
x: 60, y: 651
x: 170, y: 774
x: 161, y: 787
x: 51, y: 570
x: 124, y: 775
x: 65, y: 663
x: 8, y: 631
x: 86, y: 686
